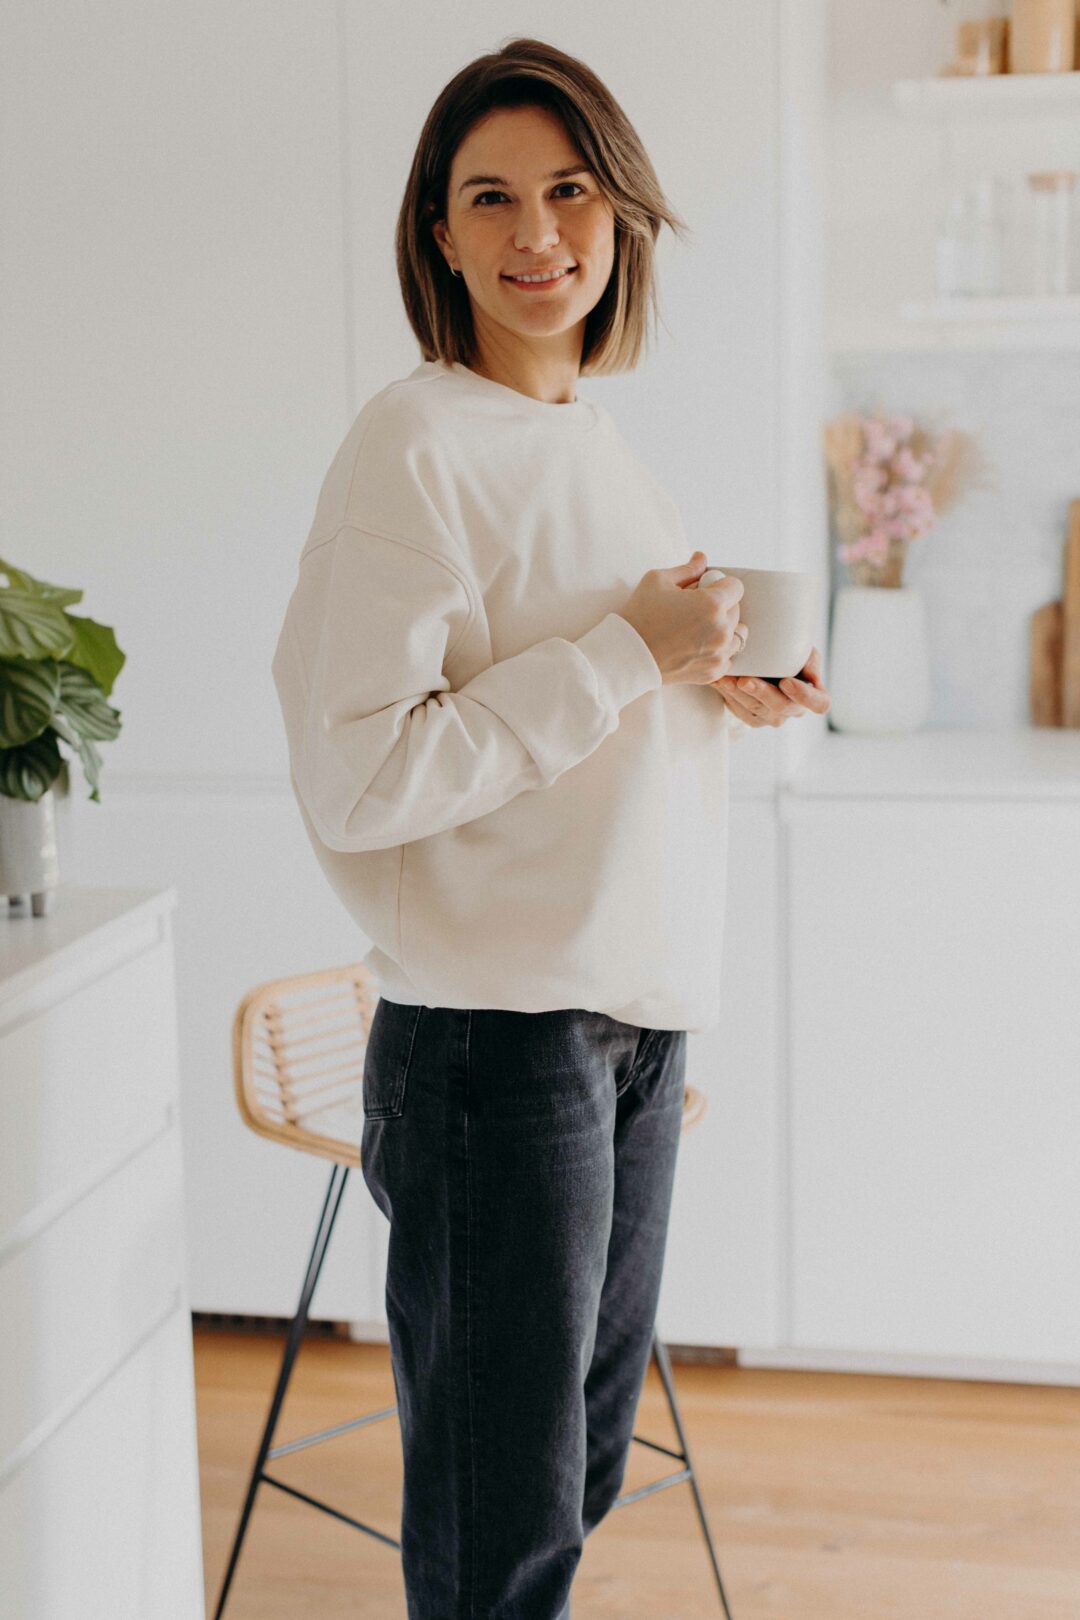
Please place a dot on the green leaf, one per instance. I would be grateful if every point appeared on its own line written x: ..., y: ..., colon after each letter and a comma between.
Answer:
x: 91, y: 758
x: 84, y: 705
x: 32, y: 626
x: 29, y: 771
x: 29, y: 694
x: 56, y: 672
x: 94, y: 649
x: 22, y: 581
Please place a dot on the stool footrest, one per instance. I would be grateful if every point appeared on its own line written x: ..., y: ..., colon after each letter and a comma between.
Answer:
x: 329, y: 1434
x: 335, y: 1513
x: 338, y: 1175
x: 657, y: 1485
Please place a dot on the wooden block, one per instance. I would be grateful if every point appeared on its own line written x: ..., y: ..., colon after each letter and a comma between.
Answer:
x: 1070, y: 629
x: 1046, y: 632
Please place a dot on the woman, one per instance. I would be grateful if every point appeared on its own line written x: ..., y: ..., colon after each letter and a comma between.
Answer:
x: 511, y: 761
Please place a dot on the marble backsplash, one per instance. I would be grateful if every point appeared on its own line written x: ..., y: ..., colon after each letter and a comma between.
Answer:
x: 999, y: 554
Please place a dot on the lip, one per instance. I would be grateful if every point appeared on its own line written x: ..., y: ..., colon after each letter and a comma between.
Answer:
x: 538, y: 286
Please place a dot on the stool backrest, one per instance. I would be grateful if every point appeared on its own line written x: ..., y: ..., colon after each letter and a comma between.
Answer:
x: 298, y: 1059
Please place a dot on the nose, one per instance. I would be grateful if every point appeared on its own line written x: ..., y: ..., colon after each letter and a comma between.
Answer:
x: 536, y: 229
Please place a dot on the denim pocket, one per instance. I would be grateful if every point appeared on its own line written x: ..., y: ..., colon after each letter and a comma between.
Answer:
x: 387, y: 1058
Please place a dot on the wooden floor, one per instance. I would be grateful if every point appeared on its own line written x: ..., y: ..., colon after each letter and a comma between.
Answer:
x: 831, y: 1496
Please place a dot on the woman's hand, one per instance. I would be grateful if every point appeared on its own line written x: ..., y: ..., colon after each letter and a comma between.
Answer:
x: 760, y: 703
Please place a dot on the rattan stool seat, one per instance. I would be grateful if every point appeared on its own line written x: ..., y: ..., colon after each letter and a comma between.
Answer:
x: 298, y: 1061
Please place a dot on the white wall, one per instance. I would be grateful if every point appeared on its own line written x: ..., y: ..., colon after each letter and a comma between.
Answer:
x: 200, y: 296
x: 176, y: 372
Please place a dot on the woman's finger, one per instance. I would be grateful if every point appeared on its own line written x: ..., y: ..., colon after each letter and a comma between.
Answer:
x: 812, y: 695
x: 761, y: 704
x: 762, y: 695
x: 764, y: 702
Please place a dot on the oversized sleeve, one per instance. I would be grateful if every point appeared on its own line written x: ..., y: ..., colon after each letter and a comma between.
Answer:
x: 381, y: 750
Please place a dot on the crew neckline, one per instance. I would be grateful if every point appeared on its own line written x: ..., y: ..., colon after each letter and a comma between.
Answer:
x: 579, y: 412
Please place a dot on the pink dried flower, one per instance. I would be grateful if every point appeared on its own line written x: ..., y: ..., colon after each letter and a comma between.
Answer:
x: 883, y: 494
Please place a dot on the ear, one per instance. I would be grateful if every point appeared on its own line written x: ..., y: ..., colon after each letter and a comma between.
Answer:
x: 438, y: 231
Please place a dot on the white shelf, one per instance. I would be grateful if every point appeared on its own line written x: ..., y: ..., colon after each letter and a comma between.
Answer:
x: 1003, y: 322
x: 1015, y: 321
x: 856, y: 335
x: 937, y: 324
x: 960, y: 96
x: 1011, y: 307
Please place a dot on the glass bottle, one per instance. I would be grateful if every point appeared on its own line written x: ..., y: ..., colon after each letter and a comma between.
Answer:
x: 971, y: 242
x: 1052, y: 237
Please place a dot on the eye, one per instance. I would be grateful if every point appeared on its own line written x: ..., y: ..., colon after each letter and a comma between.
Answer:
x: 481, y: 195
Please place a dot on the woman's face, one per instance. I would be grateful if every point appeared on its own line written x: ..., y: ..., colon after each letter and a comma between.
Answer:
x: 508, y: 211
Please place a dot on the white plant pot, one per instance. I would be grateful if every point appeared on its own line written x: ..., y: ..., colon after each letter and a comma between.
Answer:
x: 29, y: 865
x: 879, y: 660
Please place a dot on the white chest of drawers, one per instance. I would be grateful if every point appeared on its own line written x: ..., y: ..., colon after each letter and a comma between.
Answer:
x: 99, y: 1502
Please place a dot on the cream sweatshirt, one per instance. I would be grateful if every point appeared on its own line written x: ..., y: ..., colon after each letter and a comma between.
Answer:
x: 509, y: 802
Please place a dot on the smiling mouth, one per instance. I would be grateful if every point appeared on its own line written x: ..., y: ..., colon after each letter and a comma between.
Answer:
x: 546, y: 280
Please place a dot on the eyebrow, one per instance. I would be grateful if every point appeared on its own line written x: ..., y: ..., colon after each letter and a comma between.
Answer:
x: 497, y: 180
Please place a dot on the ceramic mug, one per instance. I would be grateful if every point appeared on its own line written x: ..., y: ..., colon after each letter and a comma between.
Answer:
x: 780, y: 610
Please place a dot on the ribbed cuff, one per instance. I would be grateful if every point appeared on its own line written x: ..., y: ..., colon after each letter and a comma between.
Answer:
x: 625, y: 667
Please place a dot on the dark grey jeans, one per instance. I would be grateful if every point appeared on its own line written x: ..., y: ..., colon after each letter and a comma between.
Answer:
x: 525, y: 1162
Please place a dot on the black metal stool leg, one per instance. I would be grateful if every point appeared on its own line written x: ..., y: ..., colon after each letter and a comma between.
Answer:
x: 338, y: 1177
x: 664, y: 1365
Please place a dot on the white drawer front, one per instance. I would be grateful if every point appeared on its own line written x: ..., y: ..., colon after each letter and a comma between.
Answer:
x: 75, y: 1298
x: 83, y: 1083
x: 103, y: 1521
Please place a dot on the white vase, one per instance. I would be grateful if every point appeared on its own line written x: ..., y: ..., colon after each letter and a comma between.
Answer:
x: 29, y: 865
x: 879, y: 660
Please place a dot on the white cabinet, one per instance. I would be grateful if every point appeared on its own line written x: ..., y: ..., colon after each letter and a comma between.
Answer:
x: 99, y: 1501
x: 932, y: 1110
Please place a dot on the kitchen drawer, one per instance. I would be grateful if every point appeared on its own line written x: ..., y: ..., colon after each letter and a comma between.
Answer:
x: 102, y: 1522
x: 77, y: 1296
x: 85, y: 1081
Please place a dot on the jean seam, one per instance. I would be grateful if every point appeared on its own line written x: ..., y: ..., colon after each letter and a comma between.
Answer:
x: 408, y: 1060
x: 635, y: 1067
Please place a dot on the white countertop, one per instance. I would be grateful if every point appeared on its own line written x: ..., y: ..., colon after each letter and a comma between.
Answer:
x: 32, y: 948
x: 1033, y: 762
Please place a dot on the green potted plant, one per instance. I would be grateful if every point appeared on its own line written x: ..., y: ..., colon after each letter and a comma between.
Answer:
x: 56, y: 671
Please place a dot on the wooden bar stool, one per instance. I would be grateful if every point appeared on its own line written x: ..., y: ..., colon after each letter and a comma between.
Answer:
x: 298, y: 1065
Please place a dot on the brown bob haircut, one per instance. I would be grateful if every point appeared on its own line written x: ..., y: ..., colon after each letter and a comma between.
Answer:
x: 527, y: 72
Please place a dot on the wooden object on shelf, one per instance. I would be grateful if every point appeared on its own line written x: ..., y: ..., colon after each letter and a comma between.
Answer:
x: 1046, y: 665
x: 1070, y: 627
x: 1055, y: 645
x: 981, y: 47
x: 1042, y: 36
